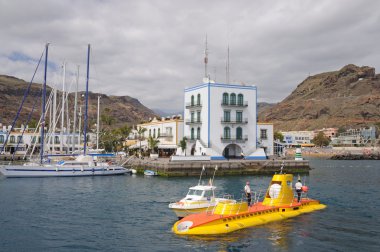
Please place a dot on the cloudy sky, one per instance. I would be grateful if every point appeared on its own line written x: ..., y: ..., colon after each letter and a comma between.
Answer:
x: 152, y: 50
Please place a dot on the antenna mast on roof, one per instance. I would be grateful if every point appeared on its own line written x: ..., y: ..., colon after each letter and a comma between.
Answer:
x: 228, y: 65
x: 206, y: 58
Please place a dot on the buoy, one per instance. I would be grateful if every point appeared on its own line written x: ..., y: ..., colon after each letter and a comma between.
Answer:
x: 305, y: 189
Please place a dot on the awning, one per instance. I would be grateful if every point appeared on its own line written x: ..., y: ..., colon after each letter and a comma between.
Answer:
x: 167, y: 146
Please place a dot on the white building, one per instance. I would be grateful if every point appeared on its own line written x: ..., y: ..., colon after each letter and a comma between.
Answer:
x: 298, y: 137
x: 22, y: 140
x: 220, y: 121
x: 265, y: 137
x: 169, y: 131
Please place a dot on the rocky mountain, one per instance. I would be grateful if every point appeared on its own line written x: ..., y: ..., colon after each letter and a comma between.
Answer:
x: 349, y: 97
x: 116, y: 110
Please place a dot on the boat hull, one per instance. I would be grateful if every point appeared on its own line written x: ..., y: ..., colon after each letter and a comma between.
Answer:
x: 55, y: 171
x: 182, y: 209
x: 211, y: 224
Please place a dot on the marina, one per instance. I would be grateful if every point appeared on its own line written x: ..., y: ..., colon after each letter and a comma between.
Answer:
x: 120, y: 213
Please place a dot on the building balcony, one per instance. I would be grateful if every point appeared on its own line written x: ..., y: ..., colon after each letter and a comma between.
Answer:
x: 165, y: 135
x: 231, y: 139
x: 235, y: 105
x: 191, y: 140
x: 192, y: 122
x: 227, y: 121
x: 193, y: 105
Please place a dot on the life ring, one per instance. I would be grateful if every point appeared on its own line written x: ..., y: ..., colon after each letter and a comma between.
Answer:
x: 305, y: 189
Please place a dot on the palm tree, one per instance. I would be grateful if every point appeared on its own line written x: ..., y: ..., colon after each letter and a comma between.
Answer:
x: 183, y: 144
x: 140, y: 132
x: 152, y: 143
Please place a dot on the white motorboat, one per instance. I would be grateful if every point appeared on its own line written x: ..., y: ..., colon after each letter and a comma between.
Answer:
x: 150, y: 173
x: 200, y: 198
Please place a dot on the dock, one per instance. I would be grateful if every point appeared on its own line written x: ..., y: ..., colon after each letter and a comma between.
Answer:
x: 164, y: 167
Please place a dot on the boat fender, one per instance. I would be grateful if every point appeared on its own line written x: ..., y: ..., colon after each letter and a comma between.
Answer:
x: 305, y: 189
x: 56, y: 169
x: 81, y: 169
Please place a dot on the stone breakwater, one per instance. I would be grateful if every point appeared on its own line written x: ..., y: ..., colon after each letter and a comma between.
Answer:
x: 232, y: 167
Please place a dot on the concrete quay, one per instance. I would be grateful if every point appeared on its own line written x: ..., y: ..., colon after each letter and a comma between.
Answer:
x: 164, y: 167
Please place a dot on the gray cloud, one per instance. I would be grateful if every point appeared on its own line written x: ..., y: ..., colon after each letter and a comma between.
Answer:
x: 152, y: 50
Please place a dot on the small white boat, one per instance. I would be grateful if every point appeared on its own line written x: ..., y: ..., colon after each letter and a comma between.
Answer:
x: 150, y: 173
x: 200, y: 198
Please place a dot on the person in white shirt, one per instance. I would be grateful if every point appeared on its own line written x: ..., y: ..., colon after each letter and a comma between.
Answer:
x: 298, y: 187
x: 247, y: 191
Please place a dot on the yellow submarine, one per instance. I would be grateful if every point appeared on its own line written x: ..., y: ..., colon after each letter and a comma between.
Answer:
x: 279, y: 204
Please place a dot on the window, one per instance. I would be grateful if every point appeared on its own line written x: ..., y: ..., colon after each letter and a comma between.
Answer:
x: 239, y: 133
x: 263, y: 134
x: 19, y: 139
x: 199, y: 99
x: 12, y: 139
x: 233, y: 99
x: 169, y: 131
x: 192, y: 100
x: 227, y: 116
x: 240, y: 99
x: 154, y: 133
x: 159, y: 132
x: 239, y: 116
x: 195, y: 192
x: 227, y: 133
x: 192, y: 117
x: 198, y: 116
x: 225, y: 99
x: 150, y: 132
x: 1, y: 139
x: 192, y: 134
x: 56, y: 140
x: 199, y: 133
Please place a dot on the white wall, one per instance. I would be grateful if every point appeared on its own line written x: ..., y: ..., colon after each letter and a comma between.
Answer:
x: 267, y: 143
x: 212, y: 112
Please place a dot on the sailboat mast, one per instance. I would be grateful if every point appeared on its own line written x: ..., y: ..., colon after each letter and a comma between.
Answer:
x: 97, y: 124
x: 63, y: 107
x: 75, y: 109
x: 43, y: 106
x: 86, y: 108
x: 53, y: 132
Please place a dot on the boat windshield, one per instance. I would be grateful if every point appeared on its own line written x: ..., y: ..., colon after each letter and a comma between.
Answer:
x: 195, y: 192
x: 208, y: 194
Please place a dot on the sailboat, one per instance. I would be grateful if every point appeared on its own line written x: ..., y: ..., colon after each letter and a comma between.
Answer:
x: 83, y: 165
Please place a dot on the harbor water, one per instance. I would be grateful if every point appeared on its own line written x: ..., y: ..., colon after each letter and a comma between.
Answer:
x: 130, y: 213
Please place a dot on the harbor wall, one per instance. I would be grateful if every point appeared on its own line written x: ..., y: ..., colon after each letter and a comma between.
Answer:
x: 233, y: 167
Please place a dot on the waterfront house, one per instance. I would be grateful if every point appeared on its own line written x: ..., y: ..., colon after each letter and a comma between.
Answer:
x: 265, y: 138
x: 167, y: 130
x: 221, y: 121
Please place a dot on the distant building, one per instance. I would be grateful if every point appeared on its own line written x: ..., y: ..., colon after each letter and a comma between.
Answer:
x: 168, y: 130
x: 356, y: 137
x: 329, y: 132
x: 26, y: 140
x: 303, y: 138
x: 220, y: 121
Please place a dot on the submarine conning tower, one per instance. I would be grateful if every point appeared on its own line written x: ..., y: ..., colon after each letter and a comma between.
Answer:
x: 280, y: 190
